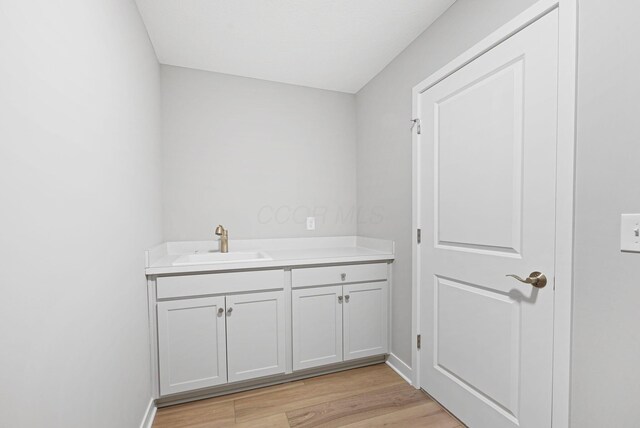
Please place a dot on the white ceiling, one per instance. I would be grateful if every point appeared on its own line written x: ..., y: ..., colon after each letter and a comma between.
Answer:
x: 329, y: 44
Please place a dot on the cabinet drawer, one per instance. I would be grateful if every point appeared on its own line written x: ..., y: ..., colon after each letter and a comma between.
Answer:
x: 169, y: 287
x: 306, y: 277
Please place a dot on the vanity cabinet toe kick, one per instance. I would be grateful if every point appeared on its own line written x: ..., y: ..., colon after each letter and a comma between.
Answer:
x: 213, y: 330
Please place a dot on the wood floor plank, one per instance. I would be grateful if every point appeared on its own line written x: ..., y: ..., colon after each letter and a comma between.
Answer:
x: 206, y: 414
x: 274, y: 421
x: 318, y: 390
x: 426, y: 415
x: 198, y: 414
x: 373, y: 396
x: 357, y: 407
x: 200, y: 410
x: 257, y: 392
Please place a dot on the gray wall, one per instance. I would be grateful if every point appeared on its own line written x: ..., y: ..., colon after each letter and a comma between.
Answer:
x: 384, y: 138
x: 79, y: 167
x: 606, y: 334
x: 255, y: 156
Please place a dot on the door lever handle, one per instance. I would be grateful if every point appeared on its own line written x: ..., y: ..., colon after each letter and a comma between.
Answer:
x: 537, y: 279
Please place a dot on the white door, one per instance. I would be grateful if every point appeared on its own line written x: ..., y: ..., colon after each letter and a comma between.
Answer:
x: 255, y: 335
x: 365, y: 319
x: 487, y: 168
x: 317, y: 326
x: 191, y: 340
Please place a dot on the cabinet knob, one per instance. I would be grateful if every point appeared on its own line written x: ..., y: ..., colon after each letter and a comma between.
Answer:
x: 343, y: 276
x: 340, y: 299
x: 347, y: 298
x: 220, y: 311
x: 229, y: 311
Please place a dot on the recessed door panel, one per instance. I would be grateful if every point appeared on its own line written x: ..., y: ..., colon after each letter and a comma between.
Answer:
x: 478, y: 142
x: 479, y: 350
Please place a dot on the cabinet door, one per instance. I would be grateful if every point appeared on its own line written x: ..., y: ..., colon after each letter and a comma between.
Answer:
x: 365, y: 319
x: 317, y: 326
x: 255, y: 335
x: 191, y: 344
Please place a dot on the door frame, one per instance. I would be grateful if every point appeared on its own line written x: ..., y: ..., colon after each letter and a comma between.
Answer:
x: 565, y: 185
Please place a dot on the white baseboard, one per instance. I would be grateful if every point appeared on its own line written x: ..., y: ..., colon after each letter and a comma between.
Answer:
x: 149, y: 415
x: 400, y: 367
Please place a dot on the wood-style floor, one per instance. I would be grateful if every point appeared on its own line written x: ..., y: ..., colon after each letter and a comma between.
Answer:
x: 373, y: 396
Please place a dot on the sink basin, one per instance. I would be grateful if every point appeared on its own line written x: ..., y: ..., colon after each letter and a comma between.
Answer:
x: 208, y: 258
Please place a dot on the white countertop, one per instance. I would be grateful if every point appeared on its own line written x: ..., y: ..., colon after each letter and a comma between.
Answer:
x: 280, y: 252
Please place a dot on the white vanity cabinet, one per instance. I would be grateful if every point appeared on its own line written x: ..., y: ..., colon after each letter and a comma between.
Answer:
x: 334, y: 323
x: 226, y: 328
x: 191, y: 344
x: 205, y: 341
x: 255, y: 335
x: 317, y: 326
x: 365, y: 319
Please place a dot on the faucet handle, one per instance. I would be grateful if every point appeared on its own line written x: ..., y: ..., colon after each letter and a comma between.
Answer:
x: 220, y: 230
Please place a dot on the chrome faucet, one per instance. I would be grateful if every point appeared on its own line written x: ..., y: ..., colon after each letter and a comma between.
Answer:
x: 224, y: 238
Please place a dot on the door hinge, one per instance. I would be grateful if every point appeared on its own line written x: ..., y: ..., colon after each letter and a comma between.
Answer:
x: 416, y: 123
x: 419, y: 236
x: 419, y: 341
